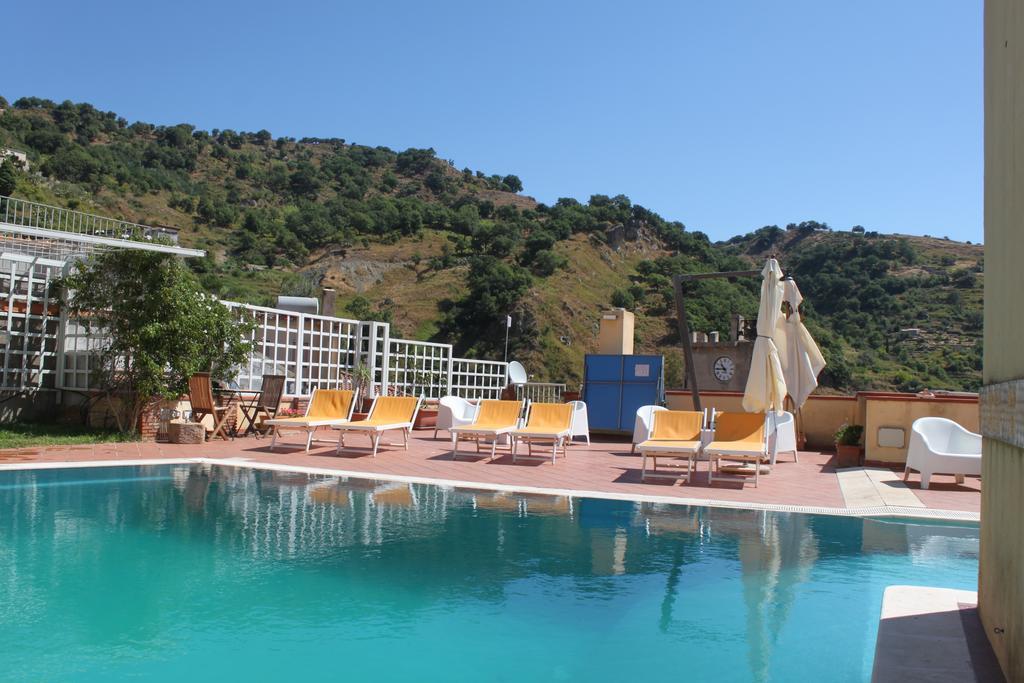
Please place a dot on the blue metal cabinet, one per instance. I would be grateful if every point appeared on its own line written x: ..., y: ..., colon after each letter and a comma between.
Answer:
x: 615, y: 386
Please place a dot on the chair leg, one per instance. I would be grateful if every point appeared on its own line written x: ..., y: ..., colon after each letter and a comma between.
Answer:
x: 588, y: 438
x: 632, y: 449
x: 219, y: 427
x: 273, y: 439
x: 376, y: 442
x: 341, y: 441
x: 309, y: 439
x: 906, y: 473
x: 554, y: 450
x: 455, y: 446
x: 796, y: 456
x: 435, y: 432
x: 494, y: 445
x: 926, y: 478
x: 405, y: 438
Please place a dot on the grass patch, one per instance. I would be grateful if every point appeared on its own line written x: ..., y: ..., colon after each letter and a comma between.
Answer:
x: 22, y: 434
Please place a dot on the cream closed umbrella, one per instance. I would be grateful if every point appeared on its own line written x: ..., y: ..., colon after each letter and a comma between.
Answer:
x: 766, y: 385
x: 801, y: 359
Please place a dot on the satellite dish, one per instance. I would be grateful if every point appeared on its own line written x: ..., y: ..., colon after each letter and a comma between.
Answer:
x: 516, y: 373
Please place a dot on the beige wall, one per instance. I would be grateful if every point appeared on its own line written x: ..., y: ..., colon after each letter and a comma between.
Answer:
x: 886, y: 412
x: 1001, y: 574
x: 615, y: 335
x: 823, y: 415
x: 820, y: 417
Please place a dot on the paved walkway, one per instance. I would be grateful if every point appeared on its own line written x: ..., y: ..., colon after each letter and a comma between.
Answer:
x: 606, y: 467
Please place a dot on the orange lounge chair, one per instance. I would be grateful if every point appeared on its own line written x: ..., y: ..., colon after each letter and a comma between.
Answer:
x: 327, y: 408
x: 675, y: 435
x: 493, y: 418
x: 544, y: 422
x: 386, y: 414
x: 739, y: 438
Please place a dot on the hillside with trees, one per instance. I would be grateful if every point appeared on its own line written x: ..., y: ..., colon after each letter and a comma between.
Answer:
x: 444, y: 253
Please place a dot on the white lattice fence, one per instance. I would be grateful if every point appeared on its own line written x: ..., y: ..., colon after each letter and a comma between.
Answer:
x: 314, y: 351
x: 31, y: 322
x: 330, y: 351
x: 478, y: 378
x: 416, y: 367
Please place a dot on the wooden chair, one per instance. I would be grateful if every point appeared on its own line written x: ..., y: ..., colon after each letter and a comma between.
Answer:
x: 266, y: 403
x: 200, y: 395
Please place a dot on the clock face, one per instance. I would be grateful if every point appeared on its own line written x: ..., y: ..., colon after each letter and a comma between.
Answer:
x: 724, y: 368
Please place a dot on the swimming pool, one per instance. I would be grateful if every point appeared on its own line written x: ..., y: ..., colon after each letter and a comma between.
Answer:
x: 197, y: 571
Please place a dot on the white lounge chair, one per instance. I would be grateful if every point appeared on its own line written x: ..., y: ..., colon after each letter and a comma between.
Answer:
x: 493, y: 421
x: 454, y: 411
x: 675, y: 435
x: 739, y: 440
x: 642, y: 424
x: 388, y: 413
x: 941, y: 446
x: 544, y: 422
x: 326, y: 408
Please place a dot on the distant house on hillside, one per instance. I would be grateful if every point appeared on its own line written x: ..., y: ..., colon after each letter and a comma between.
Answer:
x: 19, y: 157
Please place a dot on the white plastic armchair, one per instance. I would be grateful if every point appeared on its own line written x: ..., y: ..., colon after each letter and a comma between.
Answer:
x: 453, y: 411
x: 941, y: 446
x: 580, y: 421
x: 642, y: 425
x: 783, y: 436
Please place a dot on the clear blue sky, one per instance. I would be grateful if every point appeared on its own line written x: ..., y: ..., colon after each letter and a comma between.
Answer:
x: 724, y: 115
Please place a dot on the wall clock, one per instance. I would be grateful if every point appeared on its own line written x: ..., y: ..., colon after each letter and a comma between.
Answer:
x: 724, y: 368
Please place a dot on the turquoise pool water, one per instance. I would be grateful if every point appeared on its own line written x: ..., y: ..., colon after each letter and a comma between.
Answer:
x: 201, y: 573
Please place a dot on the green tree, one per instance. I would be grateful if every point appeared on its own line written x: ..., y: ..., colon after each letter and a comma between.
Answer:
x: 8, y: 177
x: 158, y: 325
x: 512, y: 183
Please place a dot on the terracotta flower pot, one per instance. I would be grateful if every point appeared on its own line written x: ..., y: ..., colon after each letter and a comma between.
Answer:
x: 426, y: 418
x: 847, y: 456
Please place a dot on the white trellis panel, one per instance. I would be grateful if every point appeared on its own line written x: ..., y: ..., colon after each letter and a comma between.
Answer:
x: 31, y: 322
x: 478, y: 378
x: 417, y: 367
x: 275, y: 346
x: 330, y: 350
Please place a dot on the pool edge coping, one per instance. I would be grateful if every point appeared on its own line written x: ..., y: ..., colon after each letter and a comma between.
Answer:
x: 879, y: 511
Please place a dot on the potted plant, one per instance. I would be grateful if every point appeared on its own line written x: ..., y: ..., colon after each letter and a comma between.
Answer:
x: 362, y: 381
x: 426, y: 418
x: 848, y: 444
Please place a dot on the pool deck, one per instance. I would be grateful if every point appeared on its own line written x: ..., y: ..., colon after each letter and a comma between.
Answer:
x: 604, y: 469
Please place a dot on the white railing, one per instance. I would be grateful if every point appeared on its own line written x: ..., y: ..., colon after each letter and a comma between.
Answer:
x: 541, y: 392
x: 26, y: 214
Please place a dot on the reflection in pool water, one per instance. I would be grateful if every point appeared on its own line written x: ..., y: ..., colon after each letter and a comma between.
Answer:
x: 166, y: 571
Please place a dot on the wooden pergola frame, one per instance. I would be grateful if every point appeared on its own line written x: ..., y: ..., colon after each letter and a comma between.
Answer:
x: 684, y: 324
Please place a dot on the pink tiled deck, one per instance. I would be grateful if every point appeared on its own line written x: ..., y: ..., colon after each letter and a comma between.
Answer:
x: 605, y: 466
